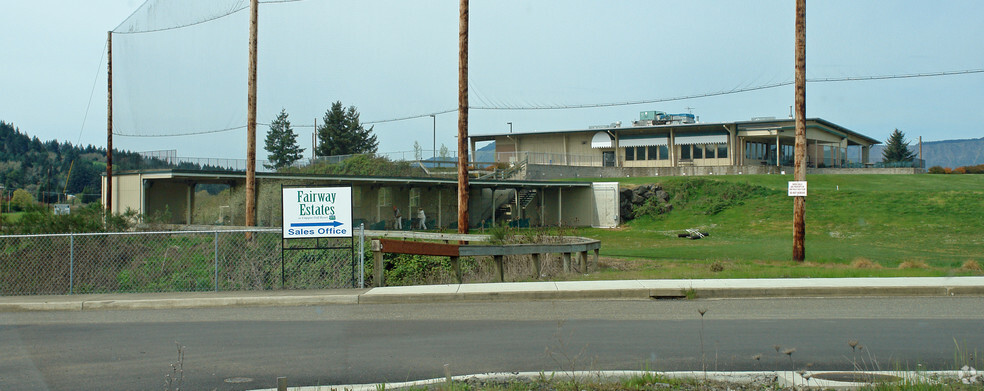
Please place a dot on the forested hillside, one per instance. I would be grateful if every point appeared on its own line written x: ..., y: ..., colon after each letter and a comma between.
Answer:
x: 42, y: 167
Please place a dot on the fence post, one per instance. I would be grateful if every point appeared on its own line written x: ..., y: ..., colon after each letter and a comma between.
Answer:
x: 71, y: 263
x: 362, y: 255
x: 215, y: 262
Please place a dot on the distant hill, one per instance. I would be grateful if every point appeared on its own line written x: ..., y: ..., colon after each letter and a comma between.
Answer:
x: 945, y: 153
x: 486, y: 153
x: 51, y: 169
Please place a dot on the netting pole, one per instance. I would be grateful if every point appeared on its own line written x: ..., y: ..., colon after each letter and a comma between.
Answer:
x: 109, y: 124
x: 251, y: 122
x: 463, y: 118
x: 799, y: 172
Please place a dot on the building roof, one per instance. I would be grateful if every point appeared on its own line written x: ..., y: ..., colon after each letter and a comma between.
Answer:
x: 781, y: 123
x: 220, y: 176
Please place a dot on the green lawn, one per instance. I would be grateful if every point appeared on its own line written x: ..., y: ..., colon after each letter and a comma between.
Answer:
x: 857, y: 225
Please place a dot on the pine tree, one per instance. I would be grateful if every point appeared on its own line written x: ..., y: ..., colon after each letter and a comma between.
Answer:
x: 342, y: 134
x: 281, y: 143
x: 897, y: 149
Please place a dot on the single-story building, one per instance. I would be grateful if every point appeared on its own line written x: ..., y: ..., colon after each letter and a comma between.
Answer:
x: 171, y: 194
x: 680, y: 143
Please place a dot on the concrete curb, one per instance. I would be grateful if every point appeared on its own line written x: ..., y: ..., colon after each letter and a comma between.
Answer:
x: 781, y: 378
x: 521, y: 291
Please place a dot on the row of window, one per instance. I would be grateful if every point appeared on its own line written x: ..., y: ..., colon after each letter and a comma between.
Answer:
x: 767, y: 151
x: 647, y: 153
x: 701, y: 151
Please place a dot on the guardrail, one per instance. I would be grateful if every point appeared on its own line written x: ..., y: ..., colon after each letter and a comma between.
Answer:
x: 537, y: 251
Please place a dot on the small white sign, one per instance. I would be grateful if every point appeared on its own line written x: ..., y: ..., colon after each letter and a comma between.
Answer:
x: 317, y: 212
x: 797, y: 188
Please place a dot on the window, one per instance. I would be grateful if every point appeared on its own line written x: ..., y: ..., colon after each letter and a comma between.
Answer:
x: 664, y: 152
x: 629, y: 153
x: 722, y: 151
x: 685, y: 152
x: 698, y: 151
x: 651, y: 153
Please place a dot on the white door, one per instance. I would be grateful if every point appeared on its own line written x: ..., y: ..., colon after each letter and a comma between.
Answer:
x: 605, y: 195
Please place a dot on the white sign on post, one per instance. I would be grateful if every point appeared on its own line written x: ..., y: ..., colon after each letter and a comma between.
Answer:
x: 797, y: 188
x: 317, y: 212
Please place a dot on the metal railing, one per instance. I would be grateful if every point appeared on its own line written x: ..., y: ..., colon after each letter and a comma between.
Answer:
x: 224, y: 260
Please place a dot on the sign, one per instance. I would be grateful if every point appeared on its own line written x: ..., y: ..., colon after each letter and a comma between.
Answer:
x: 317, y: 212
x: 797, y: 188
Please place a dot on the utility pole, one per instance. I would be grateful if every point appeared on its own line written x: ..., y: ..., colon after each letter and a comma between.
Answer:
x: 463, y: 118
x: 251, y: 120
x: 799, y: 172
x: 109, y: 124
x: 434, y: 146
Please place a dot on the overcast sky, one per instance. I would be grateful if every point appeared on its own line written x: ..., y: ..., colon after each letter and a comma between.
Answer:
x: 394, y: 59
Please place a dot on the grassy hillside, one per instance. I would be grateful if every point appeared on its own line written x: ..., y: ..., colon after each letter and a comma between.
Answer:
x: 857, y: 225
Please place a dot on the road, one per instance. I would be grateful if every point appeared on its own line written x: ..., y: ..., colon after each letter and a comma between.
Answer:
x: 246, y: 348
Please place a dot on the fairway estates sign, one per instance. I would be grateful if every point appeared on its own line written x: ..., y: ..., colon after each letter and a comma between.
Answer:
x: 317, y: 212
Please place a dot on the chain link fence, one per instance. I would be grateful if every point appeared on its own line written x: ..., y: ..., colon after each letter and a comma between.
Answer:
x: 180, y: 261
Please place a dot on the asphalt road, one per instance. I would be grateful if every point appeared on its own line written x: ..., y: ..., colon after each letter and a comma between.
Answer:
x: 248, y: 348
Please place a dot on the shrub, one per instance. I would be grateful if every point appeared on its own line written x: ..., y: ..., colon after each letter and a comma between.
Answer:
x: 937, y: 170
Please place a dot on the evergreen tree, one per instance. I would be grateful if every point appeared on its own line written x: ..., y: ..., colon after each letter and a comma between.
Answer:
x: 897, y: 149
x: 342, y: 134
x: 281, y: 143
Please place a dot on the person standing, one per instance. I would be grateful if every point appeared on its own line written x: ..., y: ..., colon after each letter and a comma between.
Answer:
x: 397, y: 218
x: 422, y: 217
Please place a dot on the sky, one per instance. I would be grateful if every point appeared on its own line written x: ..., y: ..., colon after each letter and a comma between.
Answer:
x: 396, y: 58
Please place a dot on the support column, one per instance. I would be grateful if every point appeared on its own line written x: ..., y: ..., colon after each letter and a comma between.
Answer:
x: 189, y: 203
x: 567, y: 262
x: 536, y: 265
x: 583, y: 260
x: 560, y: 207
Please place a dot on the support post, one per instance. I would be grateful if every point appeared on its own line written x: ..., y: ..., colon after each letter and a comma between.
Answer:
x: 456, y: 265
x: 567, y: 262
x: 362, y: 255
x: 499, y: 275
x: 583, y: 260
x: 251, y: 121
x: 215, y: 260
x: 596, y: 257
x: 377, y: 264
x: 463, y: 118
x: 536, y: 265
x: 71, y: 264
x: 799, y: 172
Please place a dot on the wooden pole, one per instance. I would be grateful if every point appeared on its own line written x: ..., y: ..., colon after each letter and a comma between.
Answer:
x: 799, y: 172
x: 109, y: 124
x: 251, y: 120
x: 463, y: 118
